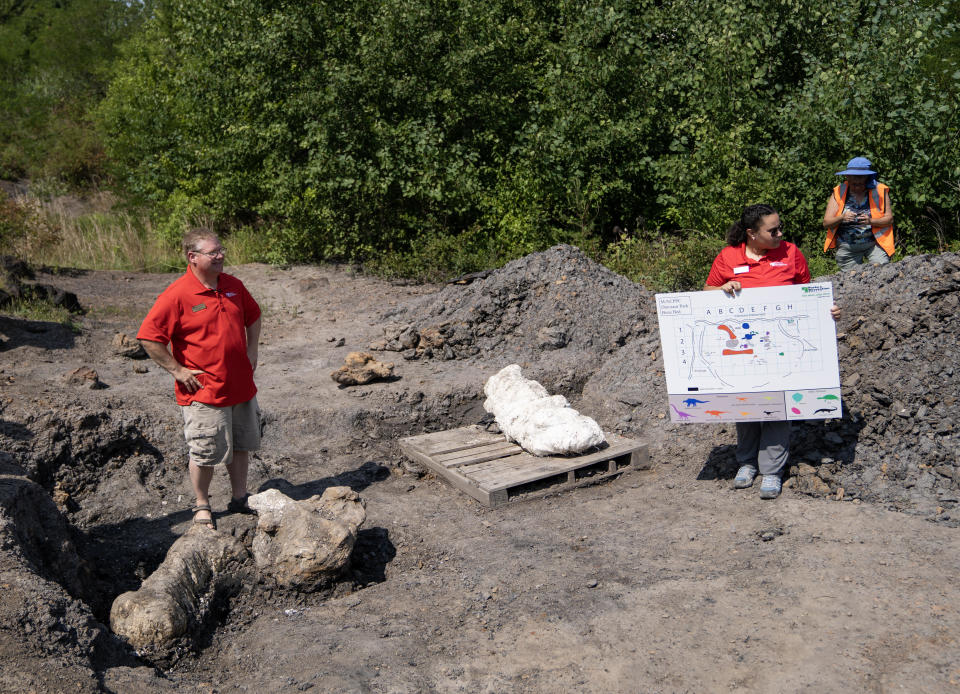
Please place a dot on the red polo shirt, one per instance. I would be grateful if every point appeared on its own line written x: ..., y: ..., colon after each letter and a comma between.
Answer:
x: 207, y: 329
x: 783, y: 265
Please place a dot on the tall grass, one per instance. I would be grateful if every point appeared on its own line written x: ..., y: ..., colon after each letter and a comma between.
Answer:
x: 90, y: 234
x: 36, y: 310
x: 62, y: 231
x: 663, y: 262
x: 245, y: 245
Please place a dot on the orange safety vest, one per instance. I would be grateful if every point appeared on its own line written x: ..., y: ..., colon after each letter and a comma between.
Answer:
x: 877, y: 196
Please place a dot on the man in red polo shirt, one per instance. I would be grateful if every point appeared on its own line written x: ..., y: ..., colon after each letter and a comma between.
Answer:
x: 204, y: 329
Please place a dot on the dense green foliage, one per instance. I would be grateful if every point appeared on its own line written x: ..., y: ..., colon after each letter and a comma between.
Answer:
x: 366, y: 128
x: 55, y: 57
x: 440, y: 136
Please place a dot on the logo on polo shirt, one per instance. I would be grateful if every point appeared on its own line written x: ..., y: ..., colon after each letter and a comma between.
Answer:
x: 199, y: 307
x: 777, y: 263
x: 231, y: 294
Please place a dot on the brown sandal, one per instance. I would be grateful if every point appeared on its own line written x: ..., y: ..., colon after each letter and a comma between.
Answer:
x: 204, y: 521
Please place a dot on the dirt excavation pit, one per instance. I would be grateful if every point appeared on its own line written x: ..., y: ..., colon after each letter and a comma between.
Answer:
x: 612, y: 587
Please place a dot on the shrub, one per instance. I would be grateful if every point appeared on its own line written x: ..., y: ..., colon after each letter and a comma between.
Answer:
x: 664, y: 263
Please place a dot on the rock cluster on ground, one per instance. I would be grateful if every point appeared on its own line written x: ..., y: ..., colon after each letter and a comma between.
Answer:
x: 301, y: 545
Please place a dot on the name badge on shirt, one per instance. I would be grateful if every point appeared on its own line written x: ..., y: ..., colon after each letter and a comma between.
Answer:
x: 198, y: 307
x: 741, y: 269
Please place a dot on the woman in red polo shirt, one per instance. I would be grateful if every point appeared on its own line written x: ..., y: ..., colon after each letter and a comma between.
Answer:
x: 757, y: 256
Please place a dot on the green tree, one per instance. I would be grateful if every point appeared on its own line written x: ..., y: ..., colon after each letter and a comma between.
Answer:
x: 54, y: 65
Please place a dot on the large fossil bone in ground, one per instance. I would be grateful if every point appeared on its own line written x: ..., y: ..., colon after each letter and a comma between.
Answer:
x: 542, y: 424
x: 201, y: 567
x: 304, y: 544
x: 301, y: 544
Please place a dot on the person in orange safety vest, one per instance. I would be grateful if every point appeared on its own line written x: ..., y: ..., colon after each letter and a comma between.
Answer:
x: 859, y: 217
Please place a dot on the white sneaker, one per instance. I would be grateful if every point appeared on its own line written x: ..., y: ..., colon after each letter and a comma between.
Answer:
x: 770, y: 487
x: 744, y: 477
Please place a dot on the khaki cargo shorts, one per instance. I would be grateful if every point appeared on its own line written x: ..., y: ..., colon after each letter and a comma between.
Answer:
x: 213, y: 433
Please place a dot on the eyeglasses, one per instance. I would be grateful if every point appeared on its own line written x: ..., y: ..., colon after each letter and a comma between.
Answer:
x: 776, y: 230
x: 216, y: 252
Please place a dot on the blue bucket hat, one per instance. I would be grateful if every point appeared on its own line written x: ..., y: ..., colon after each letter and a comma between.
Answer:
x: 858, y: 166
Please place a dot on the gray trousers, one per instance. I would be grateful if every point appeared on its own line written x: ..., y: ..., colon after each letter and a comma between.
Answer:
x: 850, y: 255
x: 764, y: 444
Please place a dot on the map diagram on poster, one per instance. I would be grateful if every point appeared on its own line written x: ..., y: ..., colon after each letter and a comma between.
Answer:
x: 765, y: 354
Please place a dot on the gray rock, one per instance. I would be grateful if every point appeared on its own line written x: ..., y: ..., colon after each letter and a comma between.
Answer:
x: 361, y: 368
x: 409, y: 338
x: 552, y: 337
x: 126, y: 346
x: 303, y: 544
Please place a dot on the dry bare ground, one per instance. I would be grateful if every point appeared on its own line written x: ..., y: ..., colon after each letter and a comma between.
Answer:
x: 665, y: 580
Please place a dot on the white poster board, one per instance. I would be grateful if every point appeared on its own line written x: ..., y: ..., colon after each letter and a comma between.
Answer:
x: 764, y: 354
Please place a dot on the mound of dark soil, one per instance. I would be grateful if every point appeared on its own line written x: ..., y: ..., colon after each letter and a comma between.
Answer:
x: 557, y: 313
x: 47, y: 588
x: 898, y: 443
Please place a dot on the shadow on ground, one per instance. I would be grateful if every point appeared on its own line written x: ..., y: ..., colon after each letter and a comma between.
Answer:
x: 814, y: 442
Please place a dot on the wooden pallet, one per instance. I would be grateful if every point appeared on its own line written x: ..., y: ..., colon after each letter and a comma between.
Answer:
x: 494, y: 470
